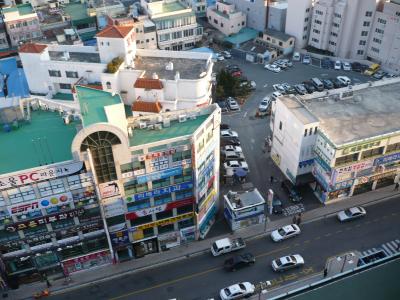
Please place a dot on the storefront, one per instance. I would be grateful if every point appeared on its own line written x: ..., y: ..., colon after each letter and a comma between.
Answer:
x: 363, y: 187
x: 341, y: 189
x: 121, y: 245
x: 208, y: 220
x: 87, y: 261
x: 169, y: 240
x: 384, y: 180
x: 145, y: 247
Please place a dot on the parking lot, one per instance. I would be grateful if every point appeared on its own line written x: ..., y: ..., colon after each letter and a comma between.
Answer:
x: 252, y: 131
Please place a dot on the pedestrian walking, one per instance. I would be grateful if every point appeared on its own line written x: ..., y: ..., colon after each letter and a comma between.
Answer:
x: 298, y: 221
x: 271, y: 179
x: 396, y: 186
x: 294, y: 220
x: 325, y: 272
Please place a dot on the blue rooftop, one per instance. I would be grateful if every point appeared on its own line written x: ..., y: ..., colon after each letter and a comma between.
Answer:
x: 16, y: 80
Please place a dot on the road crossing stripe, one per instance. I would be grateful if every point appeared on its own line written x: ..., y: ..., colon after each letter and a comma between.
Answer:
x: 386, y: 249
x: 391, y: 247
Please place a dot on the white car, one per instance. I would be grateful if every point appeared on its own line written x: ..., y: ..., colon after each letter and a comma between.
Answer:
x: 285, y: 232
x: 275, y: 95
x: 273, y: 68
x: 296, y: 56
x: 253, y: 84
x: 231, y: 149
x: 344, y: 79
x: 279, y: 88
x: 238, y: 290
x: 220, y: 57
x: 226, y: 54
x: 234, y: 164
x: 346, y: 66
x: 232, y: 104
x: 229, y: 134
x: 351, y: 213
x: 264, y: 104
x: 287, y: 262
x: 338, y: 65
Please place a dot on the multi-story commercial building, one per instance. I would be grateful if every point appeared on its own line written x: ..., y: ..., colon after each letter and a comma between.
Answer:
x: 89, y: 186
x: 176, y: 24
x: 3, y: 35
x: 348, y: 149
x: 176, y: 80
x: 282, y: 42
x: 224, y: 17
x: 342, y: 27
x: 22, y: 23
x: 298, y: 21
x: 384, y: 42
x: 198, y: 6
x: 255, y: 10
x: 277, y: 15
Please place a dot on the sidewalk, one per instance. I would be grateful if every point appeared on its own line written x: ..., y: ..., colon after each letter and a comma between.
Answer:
x: 109, y: 272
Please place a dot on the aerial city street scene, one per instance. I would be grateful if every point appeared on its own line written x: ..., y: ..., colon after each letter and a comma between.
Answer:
x: 200, y: 149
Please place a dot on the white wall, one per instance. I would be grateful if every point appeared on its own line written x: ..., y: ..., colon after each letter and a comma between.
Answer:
x: 297, y: 18
x: 36, y: 73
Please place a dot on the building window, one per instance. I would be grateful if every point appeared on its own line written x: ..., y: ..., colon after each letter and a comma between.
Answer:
x: 366, y: 24
x: 54, y: 73
x: 368, y: 14
x: 305, y: 132
x: 317, y: 22
x: 65, y: 86
x: 108, y: 85
x: 100, y: 145
x: 364, y: 33
x: 335, y: 25
x: 318, y: 12
x: 71, y: 74
x: 378, y: 41
x: 346, y: 159
x: 393, y: 147
x: 280, y: 125
x: 316, y: 31
x: 377, y: 30
x: 164, y: 214
x: 375, y: 49
x: 360, y: 52
x: 372, y: 152
x: 315, y: 130
x: 382, y: 21
x: 165, y: 229
x: 362, y: 43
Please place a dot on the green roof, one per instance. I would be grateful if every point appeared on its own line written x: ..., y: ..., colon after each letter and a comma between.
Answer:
x: 78, y: 13
x: 92, y: 104
x: 146, y: 136
x: 85, y: 36
x: 63, y: 96
x: 173, y: 6
x: 21, y: 148
x: 23, y: 9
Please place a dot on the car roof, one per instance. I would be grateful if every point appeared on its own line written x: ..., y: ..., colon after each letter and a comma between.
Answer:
x: 234, y: 288
x: 287, y: 227
x: 223, y: 242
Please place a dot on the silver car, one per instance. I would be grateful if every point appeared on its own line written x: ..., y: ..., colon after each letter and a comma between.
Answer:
x: 287, y: 262
x: 351, y: 213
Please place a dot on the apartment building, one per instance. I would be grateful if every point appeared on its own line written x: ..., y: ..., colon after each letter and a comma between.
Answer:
x: 384, y: 42
x: 176, y: 24
x: 298, y: 21
x: 21, y: 23
x: 342, y: 27
x: 345, y: 156
x: 3, y: 35
x: 255, y: 10
x: 277, y: 15
x: 198, y: 6
x: 224, y: 17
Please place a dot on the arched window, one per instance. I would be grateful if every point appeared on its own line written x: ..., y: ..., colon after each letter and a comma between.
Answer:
x: 100, y: 145
x: 108, y: 85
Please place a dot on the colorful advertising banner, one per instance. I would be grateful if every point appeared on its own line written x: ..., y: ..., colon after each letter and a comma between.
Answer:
x: 114, y: 208
x: 51, y: 201
x: 161, y: 191
x: 163, y: 222
x: 109, y: 189
x: 159, y: 175
x: 45, y: 220
x: 40, y: 174
x: 119, y: 238
x: 387, y: 159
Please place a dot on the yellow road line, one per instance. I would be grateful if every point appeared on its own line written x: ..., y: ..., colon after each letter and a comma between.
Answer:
x: 318, y: 238
x: 183, y: 278
x: 305, y: 242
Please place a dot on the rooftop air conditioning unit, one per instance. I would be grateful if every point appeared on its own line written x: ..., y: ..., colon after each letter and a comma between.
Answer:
x: 157, y: 126
x: 142, y: 125
x: 182, y: 118
x: 130, y: 131
x: 166, y: 122
x: 150, y: 127
x: 169, y: 66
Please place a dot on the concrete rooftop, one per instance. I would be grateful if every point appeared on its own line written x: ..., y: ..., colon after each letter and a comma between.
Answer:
x: 92, y: 57
x: 371, y: 112
x: 187, y: 68
x: 301, y: 113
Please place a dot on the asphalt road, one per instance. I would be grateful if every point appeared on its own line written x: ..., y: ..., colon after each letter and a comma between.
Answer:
x: 202, y: 277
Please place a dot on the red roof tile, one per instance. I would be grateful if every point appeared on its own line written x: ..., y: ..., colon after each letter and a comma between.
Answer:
x: 151, y: 107
x: 149, y: 84
x: 32, y: 48
x: 114, y: 31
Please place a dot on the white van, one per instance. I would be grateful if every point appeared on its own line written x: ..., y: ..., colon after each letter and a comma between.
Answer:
x: 318, y: 84
x: 296, y: 56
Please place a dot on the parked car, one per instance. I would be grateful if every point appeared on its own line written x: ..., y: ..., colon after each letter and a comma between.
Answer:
x: 346, y: 66
x: 226, y: 54
x: 220, y: 57
x: 232, y: 67
x: 379, y: 75
x: 239, y: 261
x: 296, y: 56
x: 234, y: 164
x: 224, y: 126
x: 231, y: 149
x: 351, y: 213
x: 300, y: 89
x: 328, y: 84
x: 279, y: 88
x: 294, y: 194
x: 309, y: 87
x: 307, y: 59
x: 338, y: 65
x: 232, y: 104
x: 228, y: 156
x: 274, y: 68
x: 356, y: 66
x: 275, y: 95
x: 264, y: 104
x: 364, y: 68
x: 228, y: 133
x: 234, y: 141
x: 283, y: 65
x: 285, y: 232
x: 326, y: 63
x: 288, y: 88
x: 317, y: 83
x: 287, y: 62
x: 287, y: 262
x: 337, y: 83
x: 236, y: 291
x: 344, y: 80
x: 372, y: 69
x: 390, y: 75
x: 224, y: 107
x: 277, y: 206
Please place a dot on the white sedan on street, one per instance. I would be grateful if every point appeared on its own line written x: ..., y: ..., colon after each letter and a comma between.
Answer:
x: 287, y: 262
x: 229, y: 134
x: 351, y: 213
x: 263, y: 106
x: 234, y: 164
x: 273, y: 68
x: 231, y: 149
x: 285, y: 232
x: 236, y: 291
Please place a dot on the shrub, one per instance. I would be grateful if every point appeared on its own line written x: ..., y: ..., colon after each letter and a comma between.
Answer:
x: 113, y: 65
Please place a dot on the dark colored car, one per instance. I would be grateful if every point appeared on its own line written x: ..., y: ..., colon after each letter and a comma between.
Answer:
x: 300, y: 89
x: 289, y: 89
x: 277, y: 206
x: 309, y: 86
x: 224, y: 126
x: 337, y: 83
x: 328, y: 84
x: 326, y: 63
x: 230, y: 141
x: 364, y: 68
x: 356, y: 66
x: 223, y: 106
x: 239, y: 261
x: 294, y: 194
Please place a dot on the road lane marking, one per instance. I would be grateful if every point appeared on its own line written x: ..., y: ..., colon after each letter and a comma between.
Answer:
x: 184, y: 278
x: 358, y: 225
x: 296, y: 244
x: 318, y: 238
x: 328, y: 234
x: 339, y: 231
x: 368, y: 222
x: 375, y: 220
x: 394, y: 214
x: 348, y: 228
x: 245, y: 114
x: 307, y: 241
